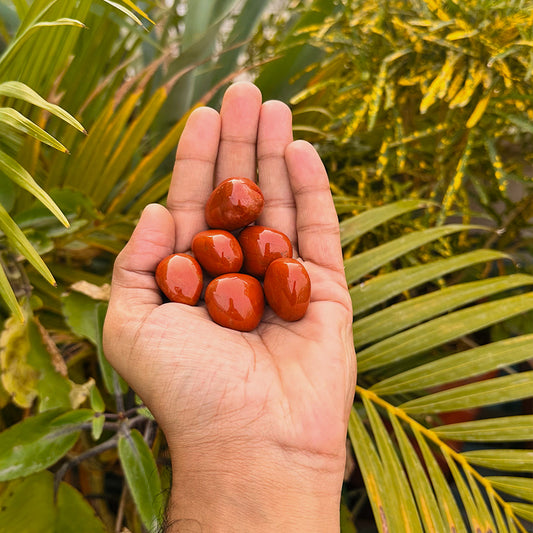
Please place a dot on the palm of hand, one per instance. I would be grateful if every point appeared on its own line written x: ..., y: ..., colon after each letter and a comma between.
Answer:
x: 286, y: 384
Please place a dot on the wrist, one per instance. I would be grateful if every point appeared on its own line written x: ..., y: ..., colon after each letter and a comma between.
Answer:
x: 258, y: 490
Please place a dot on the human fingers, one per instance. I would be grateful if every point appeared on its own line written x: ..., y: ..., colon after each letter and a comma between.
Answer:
x: 317, y: 224
x: 240, y: 118
x: 273, y: 137
x: 133, y: 285
x: 192, y: 179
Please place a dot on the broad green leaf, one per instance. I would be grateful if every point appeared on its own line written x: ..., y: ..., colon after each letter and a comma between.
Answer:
x: 408, y: 519
x: 425, y: 336
x: 502, y: 459
x: 142, y: 476
x: 18, y: 174
x: 450, y: 512
x: 405, y: 314
x: 428, y: 508
x: 16, y: 89
x: 29, y: 505
x: 18, y: 121
x: 461, y: 365
x: 506, y: 428
x: 491, y: 391
x: 377, y: 482
x: 361, y: 264
x: 381, y: 288
x: 521, y: 487
x: 85, y: 316
x: 352, y: 228
x: 39, y: 441
x: 21, y: 243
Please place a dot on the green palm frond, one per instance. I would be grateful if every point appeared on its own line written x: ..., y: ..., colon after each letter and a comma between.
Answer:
x: 416, y: 365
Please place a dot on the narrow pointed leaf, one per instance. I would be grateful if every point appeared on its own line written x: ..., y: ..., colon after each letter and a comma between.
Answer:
x: 124, y: 10
x: 487, y: 392
x: 472, y: 512
x: 20, y: 242
x: 525, y: 510
x: 364, y: 263
x: 506, y: 428
x: 425, y: 498
x: 411, y: 312
x: 7, y: 294
x: 481, y: 504
x: 381, y: 288
x: 18, y: 121
x: 408, y: 519
x: 521, y: 487
x: 18, y: 174
x: 352, y: 228
x: 133, y: 7
x: 450, y: 512
x: 16, y: 89
x: 425, y: 336
x: 502, y: 459
x: 462, y: 365
x: 379, y: 489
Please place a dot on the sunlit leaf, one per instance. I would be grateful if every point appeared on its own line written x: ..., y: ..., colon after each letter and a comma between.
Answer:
x: 507, y: 428
x: 380, y: 288
x: 491, y: 391
x: 365, y: 262
x: 509, y: 460
x: 461, y: 365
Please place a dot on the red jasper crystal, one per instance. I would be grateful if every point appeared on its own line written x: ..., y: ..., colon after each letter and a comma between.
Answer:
x: 180, y: 278
x: 235, y: 203
x: 261, y: 246
x: 235, y: 301
x: 287, y: 288
x: 217, y: 251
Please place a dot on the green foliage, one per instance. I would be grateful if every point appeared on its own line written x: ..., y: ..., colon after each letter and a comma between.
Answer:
x: 420, y: 109
x: 429, y: 99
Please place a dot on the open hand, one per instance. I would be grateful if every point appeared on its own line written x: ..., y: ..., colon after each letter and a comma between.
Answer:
x: 271, y: 404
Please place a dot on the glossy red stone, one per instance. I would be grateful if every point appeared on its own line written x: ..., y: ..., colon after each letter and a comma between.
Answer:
x: 287, y: 288
x: 235, y: 301
x: 217, y: 251
x: 261, y: 246
x: 235, y: 203
x: 180, y: 278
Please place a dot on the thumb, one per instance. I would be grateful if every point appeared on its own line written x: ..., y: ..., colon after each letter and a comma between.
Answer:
x: 153, y: 239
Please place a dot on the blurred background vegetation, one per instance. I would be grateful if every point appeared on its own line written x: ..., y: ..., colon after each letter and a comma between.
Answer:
x: 422, y: 111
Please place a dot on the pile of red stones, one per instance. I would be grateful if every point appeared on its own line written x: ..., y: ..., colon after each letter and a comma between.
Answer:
x: 247, y: 263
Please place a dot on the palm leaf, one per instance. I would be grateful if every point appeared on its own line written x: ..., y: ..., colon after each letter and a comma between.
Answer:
x: 414, y: 336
